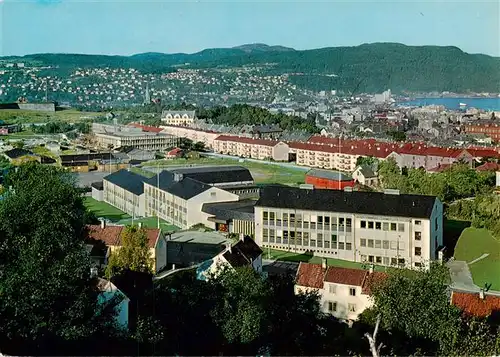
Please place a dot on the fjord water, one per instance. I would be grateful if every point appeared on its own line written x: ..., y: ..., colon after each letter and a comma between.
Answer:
x: 454, y: 103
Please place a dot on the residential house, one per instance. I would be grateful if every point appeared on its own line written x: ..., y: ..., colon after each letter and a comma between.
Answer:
x: 478, y: 304
x: 244, y: 253
x: 344, y: 293
x: 207, y: 137
x: 261, y: 149
x: 174, y: 153
x: 178, y: 117
x: 365, y: 176
x: 111, y: 237
x: 387, y: 228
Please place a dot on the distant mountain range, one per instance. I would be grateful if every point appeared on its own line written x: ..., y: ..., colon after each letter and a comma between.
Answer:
x: 365, y: 68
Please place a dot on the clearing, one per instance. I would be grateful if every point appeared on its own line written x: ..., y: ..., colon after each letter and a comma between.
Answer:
x: 261, y: 172
x: 475, y: 243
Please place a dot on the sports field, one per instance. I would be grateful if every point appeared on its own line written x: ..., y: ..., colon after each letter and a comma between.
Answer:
x: 481, y: 251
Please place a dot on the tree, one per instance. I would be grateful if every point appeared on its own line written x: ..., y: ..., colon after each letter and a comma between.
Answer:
x: 48, y: 299
x: 366, y: 161
x: 199, y: 146
x: 18, y: 144
x: 133, y: 254
x: 185, y: 144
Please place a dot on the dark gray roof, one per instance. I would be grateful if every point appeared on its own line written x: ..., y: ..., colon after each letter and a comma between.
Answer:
x: 243, y: 210
x: 86, y: 157
x: 243, y: 253
x: 98, y: 185
x: 330, y: 175
x: 367, y: 172
x: 128, y: 180
x: 216, y: 174
x: 15, y: 153
x: 185, y: 188
x: 376, y: 203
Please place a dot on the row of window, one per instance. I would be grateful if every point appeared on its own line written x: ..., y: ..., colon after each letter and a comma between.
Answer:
x: 304, y: 239
x: 332, y: 289
x: 332, y: 307
x: 383, y: 226
x: 299, y: 217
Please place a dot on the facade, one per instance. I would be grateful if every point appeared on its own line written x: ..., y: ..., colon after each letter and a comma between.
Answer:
x: 344, y: 292
x: 328, y: 179
x: 486, y: 127
x: 429, y: 158
x: 261, y: 149
x: 365, y: 176
x: 196, y: 135
x: 178, y: 117
x: 125, y: 190
x: 380, y: 228
x: 232, y: 217
x: 111, y: 237
x: 97, y: 190
x: 143, y: 140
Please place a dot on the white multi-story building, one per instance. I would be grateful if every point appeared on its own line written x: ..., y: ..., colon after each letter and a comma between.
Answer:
x: 178, y: 117
x: 196, y: 135
x: 261, y: 149
x: 124, y: 190
x: 344, y: 293
x: 140, y: 140
x: 380, y: 228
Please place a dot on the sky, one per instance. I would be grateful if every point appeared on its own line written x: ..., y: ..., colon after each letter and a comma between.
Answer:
x: 125, y: 27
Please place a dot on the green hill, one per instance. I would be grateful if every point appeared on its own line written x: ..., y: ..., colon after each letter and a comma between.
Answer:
x: 365, y: 68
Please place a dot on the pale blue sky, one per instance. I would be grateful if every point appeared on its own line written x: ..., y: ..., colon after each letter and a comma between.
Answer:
x: 128, y: 27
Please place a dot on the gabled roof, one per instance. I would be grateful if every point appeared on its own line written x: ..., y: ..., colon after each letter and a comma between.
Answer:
x: 310, y: 275
x: 416, y: 206
x: 220, y: 174
x: 366, y: 171
x: 242, y: 253
x: 15, y: 153
x: 185, y: 188
x: 128, y: 180
x: 489, y: 166
x: 111, y: 235
x: 330, y: 175
x: 346, y: 276
x: 472, y: 304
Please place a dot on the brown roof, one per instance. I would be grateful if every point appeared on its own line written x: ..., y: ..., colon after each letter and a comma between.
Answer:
x: 346, y: 276
x: 310, y: 275
x: 371, y: 281
x: 111, y: 235
x: 472, y: 304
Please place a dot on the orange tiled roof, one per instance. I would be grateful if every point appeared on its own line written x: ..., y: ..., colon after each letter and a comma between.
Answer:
x: 345, y: 276
x: 111, y: 235
x: 472, y: 304
x: 371, y: 280
x: 489, y: 166
x: 310, y: 275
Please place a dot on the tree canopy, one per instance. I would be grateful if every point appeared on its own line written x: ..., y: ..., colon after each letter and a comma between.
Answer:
x: 48, y: 298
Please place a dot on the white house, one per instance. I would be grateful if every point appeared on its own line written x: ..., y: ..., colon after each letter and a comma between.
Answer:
x: 344, y: 292
x: 365, y: 176
x: 244, y: 253
x: 110, y: 291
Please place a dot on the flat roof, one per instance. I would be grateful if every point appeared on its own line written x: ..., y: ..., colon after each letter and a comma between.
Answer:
x: 199, y: 237
x: 137, y: 134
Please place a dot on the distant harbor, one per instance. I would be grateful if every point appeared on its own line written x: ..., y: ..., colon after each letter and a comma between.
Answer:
x: 456, y: 103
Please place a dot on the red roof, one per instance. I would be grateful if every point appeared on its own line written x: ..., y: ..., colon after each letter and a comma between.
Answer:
x: 310, y: 275
x: 175, y: 151
x: 345, y: 276
x: 245, y: 140
x: 489, y: 166
x: 147, y: 128
x: 440, y: 168
x: 371, y: 280
x: 472, y: 304
x: 111, y: 235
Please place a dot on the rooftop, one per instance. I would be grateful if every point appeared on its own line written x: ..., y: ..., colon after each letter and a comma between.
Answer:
x: 330, y: 175
x: 128, y: 180
x: 242, y: 210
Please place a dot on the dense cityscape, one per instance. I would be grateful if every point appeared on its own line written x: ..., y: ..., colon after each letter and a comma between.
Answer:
x: 251, y: 200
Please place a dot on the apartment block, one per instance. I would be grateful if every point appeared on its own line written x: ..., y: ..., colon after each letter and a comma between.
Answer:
x: 261, y: 149
x: 388, y: 228
x: 196, y: 135
x: 141, y: 140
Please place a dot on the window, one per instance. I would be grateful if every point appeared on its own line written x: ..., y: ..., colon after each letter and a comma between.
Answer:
x: 351, y: 307
x: 320, y: 219
x: 332, y: 306
x: 378, y: 244
x: 352, y: 291
x: 385, y: 244
x: 348, y: 246
x: 394, y: 245
x: 265, y: 235
x: 418, y: 251
x: 348, y: 221
x: 378, y: 225
x: 327, y: 221
x: 363, y: 258
x: 393, y: 226
x: 265, y: 216
x: 436, y: 224
x: 401, y: 261
x: 386, y: 260
x: 385, y: 226
x: 332, y: 288
x: 370, y: 225
x: 370, y: 243
x: 394, y: 261
x: 362, y: 224
x: 401, y: 227
x: 271, y: 216
x: 212, y: 194
x: 378, y: 260
x: 371, y: 259
x: 363, y: 242
x: 341, y: 245
x: 418, y: 235
x: 418, y: 264
x: 334, y: 238
x: 418, y: 223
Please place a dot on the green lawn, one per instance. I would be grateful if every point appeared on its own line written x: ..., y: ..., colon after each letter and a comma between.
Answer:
x: 13, y: 116
x: 151, y: 222
x: 102, y: 209
x: 262, y: 173
x: 471, y: 245
x: 298, y: 257
x: 142, y: 172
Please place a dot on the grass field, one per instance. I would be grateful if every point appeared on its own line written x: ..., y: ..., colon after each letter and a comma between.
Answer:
x: 41, y: 150
x: 28, y: 116
x: 297, y: 257
x: 472, y: 244
x: 102, y: 209
x: 151, y: 222
x: 262, y: 173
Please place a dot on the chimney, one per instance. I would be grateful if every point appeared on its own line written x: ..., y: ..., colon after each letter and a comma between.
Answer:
x: 103, y: 223
x: 173, y: 266
x: 324, y: 263
x: 481, y: 294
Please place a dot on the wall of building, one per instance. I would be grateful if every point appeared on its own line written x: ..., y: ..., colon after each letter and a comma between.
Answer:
x: 124, y: 200
x: 319, y: 182
x: 341, y: 295
x: 245, y: 227
x: 97, y: 194
x: 195, y: 214
x: 160, y: 254
x: 163, y: 204
x: 280, y: 152
x: 39, y: 107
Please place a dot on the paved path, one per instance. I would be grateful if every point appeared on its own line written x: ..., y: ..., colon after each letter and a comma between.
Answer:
x: 478, y: 259
x: 461, y: 277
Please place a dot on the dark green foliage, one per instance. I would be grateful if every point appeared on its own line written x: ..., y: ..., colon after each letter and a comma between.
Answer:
x: 48, y: 299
